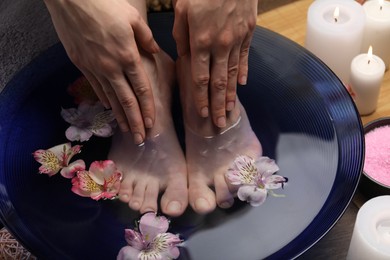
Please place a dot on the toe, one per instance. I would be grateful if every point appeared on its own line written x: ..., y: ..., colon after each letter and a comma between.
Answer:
x: 151, y: 197
x: 138, y: 196
x: 126, y: 190
x: 223, y: 196
x: 175, y: 198
x: 201, y: 197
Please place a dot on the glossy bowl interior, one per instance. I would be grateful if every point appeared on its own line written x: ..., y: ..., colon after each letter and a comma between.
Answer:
x: 298, y: 108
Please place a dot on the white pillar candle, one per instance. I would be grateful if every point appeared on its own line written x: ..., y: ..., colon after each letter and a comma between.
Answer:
x: 377, y: 28
x: 371, y: 234
x: 335, y: 40
x: 367, y: 71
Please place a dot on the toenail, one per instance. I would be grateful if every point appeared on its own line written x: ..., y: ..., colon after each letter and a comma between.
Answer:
x: 202, y: 204
x: 124, y: 196
x: 221, y: 121
x: 138, y: 138
x: 226, y: 204
x: 174, y: 206
x: 135, y: 204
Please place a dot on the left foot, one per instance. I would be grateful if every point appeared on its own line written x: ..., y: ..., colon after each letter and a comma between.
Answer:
x: 211, y: 151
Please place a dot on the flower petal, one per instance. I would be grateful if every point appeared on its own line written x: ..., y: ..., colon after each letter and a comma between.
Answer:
x: 128, y: 253
x: 252, y: 194
x: 274, y: 182
x: 134, y: 239
x: 84, y: 186
x: 102, y: 170
x: 151, y: 225
x: 50, y: 162
x: 243, y: 171
x: 73, y: 168
x: 74, y: 133
x: 71, y: 115
x: 266, y: 166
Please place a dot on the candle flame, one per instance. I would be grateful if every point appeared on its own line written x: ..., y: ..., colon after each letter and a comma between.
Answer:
x: 381, y: 2
x: 336, y: 13
x: 369, y: 54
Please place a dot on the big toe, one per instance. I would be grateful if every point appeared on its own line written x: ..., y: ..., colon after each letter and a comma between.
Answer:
x: 201, y: 198
x: 175, y: 199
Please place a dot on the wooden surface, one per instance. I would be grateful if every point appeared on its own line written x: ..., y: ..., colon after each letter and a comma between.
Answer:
x: 290, y: 21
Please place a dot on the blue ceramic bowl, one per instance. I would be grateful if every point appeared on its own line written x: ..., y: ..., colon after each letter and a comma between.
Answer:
x: 298, y: 108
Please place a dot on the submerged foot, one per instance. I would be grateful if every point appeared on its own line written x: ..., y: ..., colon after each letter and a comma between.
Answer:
x: 158, y: 165
x: 210, y: 151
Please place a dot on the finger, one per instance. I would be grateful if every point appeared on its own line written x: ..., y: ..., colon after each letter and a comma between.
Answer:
x: 181, y: 31
x: 125, y: 102
x: 200, y: 66
x: 243, y: 64
x: 231, y: 91
x: 141, y: 86
x: 219, y: 79
x: 97, y: 88
x: 144, y: 36
x: 114, y: 103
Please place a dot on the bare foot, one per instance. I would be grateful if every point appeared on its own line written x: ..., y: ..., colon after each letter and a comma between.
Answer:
x: 210, y: 151
x: 158, y: 164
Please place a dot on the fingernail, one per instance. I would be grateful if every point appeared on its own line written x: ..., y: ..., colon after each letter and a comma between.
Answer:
x: 221, y: 121
x: 148, y: 122
x: 226, y: 204
x: 202, y: 204
x: 230, y: 106
x: 243, y: 80
x: 138, y: 138
x: 174, y: 206
x: 204, y: 112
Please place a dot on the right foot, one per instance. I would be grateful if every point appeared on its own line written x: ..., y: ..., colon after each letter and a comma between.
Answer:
x: 210, y: 151
x: 159, y: 164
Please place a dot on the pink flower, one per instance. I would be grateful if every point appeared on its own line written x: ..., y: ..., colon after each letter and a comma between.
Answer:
x: 255, y: 178
x: 152, y: 241
x: 88, y: 120
x: 57, y: 158
x: 102, y: 181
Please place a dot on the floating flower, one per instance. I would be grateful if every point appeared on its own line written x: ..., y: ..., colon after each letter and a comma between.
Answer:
x: 88, y: 120
x: 256, y: 178
x: 57, y: 159
x: 152, y: 241
x: 82, y: 91
x: 102, y: 181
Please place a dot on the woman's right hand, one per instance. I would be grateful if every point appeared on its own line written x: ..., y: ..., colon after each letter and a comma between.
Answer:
x: 101, y: 37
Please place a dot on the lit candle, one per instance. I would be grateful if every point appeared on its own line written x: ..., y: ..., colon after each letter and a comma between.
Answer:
x: 335, y: 32
x: 367, y: 71
x: 377, y: 28
x: 371, y: 234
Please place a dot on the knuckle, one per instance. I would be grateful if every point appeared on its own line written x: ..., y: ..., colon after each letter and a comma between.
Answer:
x: 225, y: 40
x: 220, y: 84
x: 128, y: 103
x: 203, y: 41
x: 232, y: 71
x: 251, y: 23
x: 142, y: 91
x: 202, y: 81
